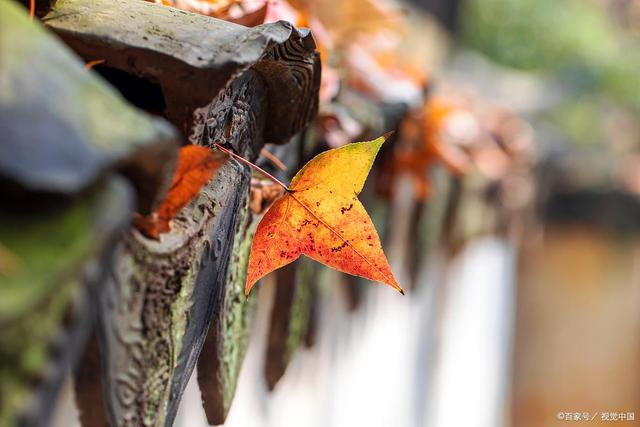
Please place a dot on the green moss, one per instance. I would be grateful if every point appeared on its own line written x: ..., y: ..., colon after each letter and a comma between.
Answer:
x: 155, y: 30
x: 46, y: 245
x: 179, y: 313
x: 301, y: 305
x: 161, y: 286
x: 50, y: 247
x: 24, y: 351
x: 237, y: 312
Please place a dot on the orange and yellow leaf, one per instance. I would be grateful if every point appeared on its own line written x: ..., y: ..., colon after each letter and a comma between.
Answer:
x: 321, y: 217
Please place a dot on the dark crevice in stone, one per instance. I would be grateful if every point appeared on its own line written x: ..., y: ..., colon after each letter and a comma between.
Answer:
x: 139, y: 91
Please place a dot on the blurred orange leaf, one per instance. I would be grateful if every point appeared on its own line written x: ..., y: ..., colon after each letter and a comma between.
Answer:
x: 436, y: 118
x: 428, y: 140
x: 215, y: 8
x: 244, y: 12
x: 251, y: 18
x: 196, y: 166
x: 346, y: 20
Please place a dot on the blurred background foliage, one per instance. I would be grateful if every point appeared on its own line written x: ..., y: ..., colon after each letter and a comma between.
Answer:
x: 589, y: 48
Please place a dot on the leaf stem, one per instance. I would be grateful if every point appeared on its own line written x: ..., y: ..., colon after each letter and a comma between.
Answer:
x: 254, y: 166
x: 89, y: 65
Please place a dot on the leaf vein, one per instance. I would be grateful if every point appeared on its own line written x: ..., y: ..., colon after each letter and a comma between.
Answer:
x: 316, y: 216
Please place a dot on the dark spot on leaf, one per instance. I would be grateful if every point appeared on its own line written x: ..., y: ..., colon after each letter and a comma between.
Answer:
x: 339, y: 248
x: 343, y: 210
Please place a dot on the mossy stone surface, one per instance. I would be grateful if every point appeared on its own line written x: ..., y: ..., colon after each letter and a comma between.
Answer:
x: 228, y: 337
x: 51, y: 249
x: 62, y: 126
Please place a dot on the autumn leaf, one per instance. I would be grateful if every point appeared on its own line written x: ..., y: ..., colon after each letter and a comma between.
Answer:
x: 252, y: 18
x: 196, y: 166
x: 244, y: 12
x: 427, y: 137
x: 321, y: 217
x: 438, y: 113
x: 348, y: 20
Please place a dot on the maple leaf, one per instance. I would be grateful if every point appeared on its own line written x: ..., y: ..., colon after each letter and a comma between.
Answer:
x: 321, y: 217
x: 195, y: 167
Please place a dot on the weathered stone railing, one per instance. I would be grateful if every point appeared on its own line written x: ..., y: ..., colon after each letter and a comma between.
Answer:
x: 145, y: 312
x: 153, y: 301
